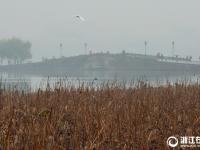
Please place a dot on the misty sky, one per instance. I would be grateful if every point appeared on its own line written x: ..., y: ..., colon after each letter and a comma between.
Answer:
x: 111, y: 25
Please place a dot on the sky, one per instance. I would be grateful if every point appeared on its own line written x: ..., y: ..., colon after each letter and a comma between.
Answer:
x: 110, y: 25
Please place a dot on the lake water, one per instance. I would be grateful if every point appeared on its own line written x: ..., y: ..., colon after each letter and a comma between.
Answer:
x: 33, y: 82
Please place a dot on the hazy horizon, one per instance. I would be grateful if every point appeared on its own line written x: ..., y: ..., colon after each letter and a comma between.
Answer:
x: 110, y: 25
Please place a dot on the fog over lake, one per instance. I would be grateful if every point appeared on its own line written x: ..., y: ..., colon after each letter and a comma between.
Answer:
x: 110, y: 25
x: 54, y: 31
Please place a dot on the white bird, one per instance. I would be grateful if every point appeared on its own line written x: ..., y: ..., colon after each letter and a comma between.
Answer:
x: 80, y: 18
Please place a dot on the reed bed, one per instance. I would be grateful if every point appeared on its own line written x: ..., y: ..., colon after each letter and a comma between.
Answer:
x: 98, y: 118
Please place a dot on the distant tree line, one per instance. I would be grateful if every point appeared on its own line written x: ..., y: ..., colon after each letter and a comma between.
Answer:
x: 15, y: 50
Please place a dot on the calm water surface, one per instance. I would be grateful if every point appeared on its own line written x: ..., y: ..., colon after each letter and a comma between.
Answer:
x: 32, y: 82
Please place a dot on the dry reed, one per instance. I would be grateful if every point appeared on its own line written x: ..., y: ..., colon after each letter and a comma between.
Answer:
x: 100, y: 118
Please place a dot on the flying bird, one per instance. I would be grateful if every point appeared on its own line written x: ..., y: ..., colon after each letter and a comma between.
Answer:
x: 80, y: 18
